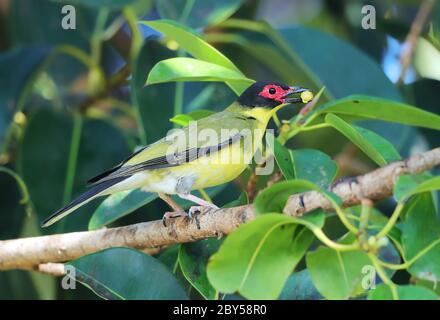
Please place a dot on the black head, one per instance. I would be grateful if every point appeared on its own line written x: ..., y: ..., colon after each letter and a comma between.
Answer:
x: 268, y: 94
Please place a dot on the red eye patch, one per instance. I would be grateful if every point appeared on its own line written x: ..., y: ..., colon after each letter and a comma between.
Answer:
x: 274, y: 92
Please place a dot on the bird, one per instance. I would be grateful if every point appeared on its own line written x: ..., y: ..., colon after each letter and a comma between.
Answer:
x: 183, y: 161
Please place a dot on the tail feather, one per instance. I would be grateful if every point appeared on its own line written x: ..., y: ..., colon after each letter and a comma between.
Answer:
x: 93, y: 192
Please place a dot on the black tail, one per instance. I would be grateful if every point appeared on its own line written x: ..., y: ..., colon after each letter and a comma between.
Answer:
x: 87, y: 196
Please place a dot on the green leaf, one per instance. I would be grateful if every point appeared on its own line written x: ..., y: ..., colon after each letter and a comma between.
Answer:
x: 274, y: 198
x: 377, y: 148
x: 406, y: 185
x: 44, y: 156
x: 122, y: 273
x: 188, y: 69
x: 184, y: 119
x: 431, y: 184
x: 420, y: 229
x: 197, y: 13
x: 364, y: 107
x: 193, y: 258
x: 192, y: 43
x: 307, y: 164
x: 299, y: 286
x: 259, y: 256
x: 336, y: 274
x: 119, y: 205
x: 410, y: 292
x: 314, y: 166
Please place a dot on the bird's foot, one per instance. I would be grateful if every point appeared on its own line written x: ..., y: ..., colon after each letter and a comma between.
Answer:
x: 173, y: 214
x: 194, y: 212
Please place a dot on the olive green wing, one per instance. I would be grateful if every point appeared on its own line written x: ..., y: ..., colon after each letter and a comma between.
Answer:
x: 176, y: 149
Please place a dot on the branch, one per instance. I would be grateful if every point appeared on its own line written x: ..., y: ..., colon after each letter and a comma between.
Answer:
x: 38, y: 252
x: 412, y: 37
x: 375, y: 185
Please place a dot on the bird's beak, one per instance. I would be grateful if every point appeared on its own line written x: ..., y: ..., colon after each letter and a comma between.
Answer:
x: 293, y: 90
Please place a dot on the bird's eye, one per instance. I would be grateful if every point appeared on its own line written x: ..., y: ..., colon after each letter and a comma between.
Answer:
x: 272, y: 91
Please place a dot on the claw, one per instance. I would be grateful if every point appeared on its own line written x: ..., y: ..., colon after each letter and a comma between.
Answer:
x: 193, y: 214
x: 172, y: 215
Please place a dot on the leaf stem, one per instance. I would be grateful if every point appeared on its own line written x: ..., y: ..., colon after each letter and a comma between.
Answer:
x: 410, y: 262
x: 391, y: 221
x: 332, y: 244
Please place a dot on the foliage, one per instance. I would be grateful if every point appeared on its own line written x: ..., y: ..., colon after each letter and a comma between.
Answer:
x: 69, y: 111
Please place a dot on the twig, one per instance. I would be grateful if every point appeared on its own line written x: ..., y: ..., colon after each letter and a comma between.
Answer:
x: 412, y: 37
x: 32, y: 253
x: 375, y: 185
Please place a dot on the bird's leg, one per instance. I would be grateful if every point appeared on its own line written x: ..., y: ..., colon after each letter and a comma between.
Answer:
x: 199, y: 201
x: 177, y: 210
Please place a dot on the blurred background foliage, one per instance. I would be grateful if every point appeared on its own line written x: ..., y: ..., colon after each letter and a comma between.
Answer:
x: 74, y: 102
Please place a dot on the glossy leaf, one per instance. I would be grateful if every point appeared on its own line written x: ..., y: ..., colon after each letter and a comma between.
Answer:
x: 184, y: 119
x: 364, y: 107
x: 274, y: 198
x: 299, y: 286
x: 119, y: 205
x: 336, y: 274
x: 193, y: 259
x: 406, y: 185
x: 257, y: 259
x: 420, y: 229
x: 188, y: 69
x: 377, y: 148
x: 410, y: 292
x: 192, y: 43
x: 306, y: 164
x: 122, y: 273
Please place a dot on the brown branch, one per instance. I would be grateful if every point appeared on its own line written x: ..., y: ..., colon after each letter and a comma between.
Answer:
x: 412, y: 37
x: 375, y: 185
x: 36, y: 253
